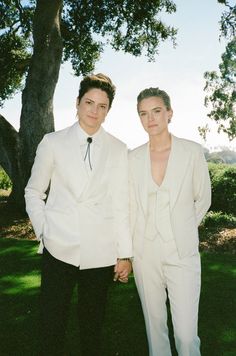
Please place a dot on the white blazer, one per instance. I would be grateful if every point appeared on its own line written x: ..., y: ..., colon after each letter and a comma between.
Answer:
x: 190, y: 194
x: 83, y: 220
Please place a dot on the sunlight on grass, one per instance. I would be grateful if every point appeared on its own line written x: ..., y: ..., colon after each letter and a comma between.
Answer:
x: 15, y: 284
x: 219, y: 268
x: 10, y: 250
x: 229, y: 335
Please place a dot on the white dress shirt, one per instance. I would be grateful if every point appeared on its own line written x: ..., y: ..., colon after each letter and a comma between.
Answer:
x: 95, y: 148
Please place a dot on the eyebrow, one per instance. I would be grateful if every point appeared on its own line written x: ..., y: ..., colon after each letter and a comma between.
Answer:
x: 156, y: 107
x: 87, y: 98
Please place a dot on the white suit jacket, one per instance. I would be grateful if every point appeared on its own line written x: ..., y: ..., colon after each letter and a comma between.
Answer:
x: 85, y: 220
x: 190, y: 194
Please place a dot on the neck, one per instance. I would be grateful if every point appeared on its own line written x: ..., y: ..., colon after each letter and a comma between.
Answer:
x: 160, y: 143
x: 90, y: 131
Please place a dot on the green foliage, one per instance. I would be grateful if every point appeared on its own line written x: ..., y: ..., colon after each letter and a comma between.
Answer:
x: 223, y: 180
x: 15, y: 46
x: 216, y: 219
x: 5, y: 182
x: 86, y: 27
x: 222, y: 93
x: 14, y: 63
x: 130, y: 26
x: 228, y: 20
x: 220, y: 88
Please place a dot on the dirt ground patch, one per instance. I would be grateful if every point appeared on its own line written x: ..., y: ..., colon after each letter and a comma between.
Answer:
x: 223, y: 240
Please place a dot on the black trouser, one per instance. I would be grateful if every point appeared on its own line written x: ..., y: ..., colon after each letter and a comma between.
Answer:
x: 57, y: 283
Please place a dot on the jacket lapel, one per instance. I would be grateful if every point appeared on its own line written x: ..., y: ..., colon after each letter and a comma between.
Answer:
x: 175, y: 172
x: 176, y: 169
x: 141, y: 168
x: 76, y: 172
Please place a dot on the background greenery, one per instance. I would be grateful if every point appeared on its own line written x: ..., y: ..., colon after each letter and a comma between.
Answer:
x: 223, y: 181
x: 5, y: 182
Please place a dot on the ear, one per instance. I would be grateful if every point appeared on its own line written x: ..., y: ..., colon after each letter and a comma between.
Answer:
x: 77, y: 102
x: 170, y: 114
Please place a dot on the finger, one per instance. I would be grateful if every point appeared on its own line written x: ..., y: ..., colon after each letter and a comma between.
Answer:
x: 123, y: 276
x: 123, y: 280
x: 116, y: 276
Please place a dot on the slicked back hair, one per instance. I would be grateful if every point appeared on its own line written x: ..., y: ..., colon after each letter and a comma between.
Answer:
x: 149, y: 92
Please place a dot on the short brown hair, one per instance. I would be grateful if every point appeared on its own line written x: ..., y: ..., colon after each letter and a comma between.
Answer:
x: 99, y: 81
x: 147, y: 93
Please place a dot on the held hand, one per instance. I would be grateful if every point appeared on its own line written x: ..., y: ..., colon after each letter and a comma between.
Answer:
x: 122, y: 270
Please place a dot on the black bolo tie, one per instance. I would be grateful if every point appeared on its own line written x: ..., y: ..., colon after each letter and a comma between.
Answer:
x: 89, y: 140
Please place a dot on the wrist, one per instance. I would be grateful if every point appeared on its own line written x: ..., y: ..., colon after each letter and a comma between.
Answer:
x: 128, y: 259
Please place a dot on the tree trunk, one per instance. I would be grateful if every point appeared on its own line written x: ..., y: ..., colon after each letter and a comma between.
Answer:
x: 37, y: 97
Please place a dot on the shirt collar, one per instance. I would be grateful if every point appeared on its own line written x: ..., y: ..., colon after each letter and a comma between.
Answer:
x: 97, y: 137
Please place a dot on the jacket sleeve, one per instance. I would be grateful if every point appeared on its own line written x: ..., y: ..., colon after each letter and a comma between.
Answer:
x: 35, y: 191
x: 201, y: 186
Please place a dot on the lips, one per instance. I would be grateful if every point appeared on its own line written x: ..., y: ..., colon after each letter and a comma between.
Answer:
x: 150, y: 126
x: 92, y: 117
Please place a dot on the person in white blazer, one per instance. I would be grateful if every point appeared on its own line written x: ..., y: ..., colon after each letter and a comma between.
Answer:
x: 77, y: 201
x: 170, y: 193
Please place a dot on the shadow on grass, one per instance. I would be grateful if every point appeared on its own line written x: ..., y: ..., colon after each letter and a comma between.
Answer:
x: 217, y: 322
x: 124, y: 332
x: 19, y: 281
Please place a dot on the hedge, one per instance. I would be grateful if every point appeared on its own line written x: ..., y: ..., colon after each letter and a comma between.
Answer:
x: 223, y: 180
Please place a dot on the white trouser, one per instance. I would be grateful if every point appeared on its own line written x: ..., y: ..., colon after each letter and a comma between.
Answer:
x: 161, y: 269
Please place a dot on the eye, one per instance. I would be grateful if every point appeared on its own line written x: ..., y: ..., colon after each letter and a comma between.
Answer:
x: 88, y: 102
x: 142, y: 114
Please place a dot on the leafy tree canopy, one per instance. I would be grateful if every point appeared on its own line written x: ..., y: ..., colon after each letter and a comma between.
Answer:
x: 86, y: 27
x: 222, y: 92
x: 221, y: 87
x: 228, y: 20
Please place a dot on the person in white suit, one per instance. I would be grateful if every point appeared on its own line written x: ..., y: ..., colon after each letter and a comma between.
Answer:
x: 77, y: 201
x: 170, y: 193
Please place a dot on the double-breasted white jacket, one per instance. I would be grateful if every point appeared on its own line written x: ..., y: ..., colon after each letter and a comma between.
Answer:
x: 189, y: 194
x: 83, y: 220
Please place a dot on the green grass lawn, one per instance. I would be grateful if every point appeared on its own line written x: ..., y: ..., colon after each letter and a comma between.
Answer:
x: 124, y: 333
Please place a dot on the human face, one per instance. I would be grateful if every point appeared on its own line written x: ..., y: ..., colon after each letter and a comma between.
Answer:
x: 154, y: 115
x: 92, y: 110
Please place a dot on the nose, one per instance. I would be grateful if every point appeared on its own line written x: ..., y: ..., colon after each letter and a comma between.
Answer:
x: 93, y: 108
x: 151, y: 116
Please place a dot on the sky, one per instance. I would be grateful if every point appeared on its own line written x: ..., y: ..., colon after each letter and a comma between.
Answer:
x: 179, y: 71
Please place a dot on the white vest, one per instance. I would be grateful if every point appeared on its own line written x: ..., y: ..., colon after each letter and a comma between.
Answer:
x: 158, y: 218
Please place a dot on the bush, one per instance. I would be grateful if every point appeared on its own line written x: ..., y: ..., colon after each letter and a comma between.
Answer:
x: 218, y: 219
x: 223, y: 180
x: 5, y: 182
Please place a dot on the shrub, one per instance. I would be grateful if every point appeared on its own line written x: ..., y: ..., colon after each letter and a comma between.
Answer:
x: 223, y: 180
x: 218, y: 219
x: 5, y: 182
